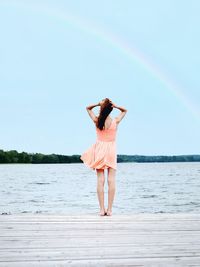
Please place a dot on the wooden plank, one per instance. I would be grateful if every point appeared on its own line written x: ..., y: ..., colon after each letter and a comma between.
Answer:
x: 92, y: 240
x: 144, y: 262
x: 139, y: 216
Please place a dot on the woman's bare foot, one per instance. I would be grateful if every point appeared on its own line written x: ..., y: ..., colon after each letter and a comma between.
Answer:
x: 102, y: 212
x: 108, y: 212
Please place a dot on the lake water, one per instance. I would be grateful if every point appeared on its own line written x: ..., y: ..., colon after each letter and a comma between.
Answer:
x: 71, y: 188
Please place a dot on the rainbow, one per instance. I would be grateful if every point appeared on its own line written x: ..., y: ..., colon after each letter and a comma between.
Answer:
x: 115, y: 41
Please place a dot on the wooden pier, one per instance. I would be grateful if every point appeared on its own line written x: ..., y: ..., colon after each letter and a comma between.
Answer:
x: 148, y: 240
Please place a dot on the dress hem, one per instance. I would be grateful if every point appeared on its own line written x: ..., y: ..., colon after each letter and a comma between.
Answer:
x: 106, y: 166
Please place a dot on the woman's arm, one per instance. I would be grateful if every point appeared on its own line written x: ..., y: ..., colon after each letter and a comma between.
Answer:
x: 92, y: 106
x: 122, y: 114
x: 91, y: 113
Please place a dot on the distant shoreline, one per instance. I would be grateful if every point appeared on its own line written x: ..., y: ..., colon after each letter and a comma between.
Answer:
x: 12, y: 156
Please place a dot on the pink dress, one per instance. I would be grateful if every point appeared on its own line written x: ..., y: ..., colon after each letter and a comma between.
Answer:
x: 102, y: 154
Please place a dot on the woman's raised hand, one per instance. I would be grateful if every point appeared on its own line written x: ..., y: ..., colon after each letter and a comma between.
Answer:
x: 113, y: 105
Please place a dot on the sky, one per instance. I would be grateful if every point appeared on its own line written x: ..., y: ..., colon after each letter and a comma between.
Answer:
x: 57, y: 57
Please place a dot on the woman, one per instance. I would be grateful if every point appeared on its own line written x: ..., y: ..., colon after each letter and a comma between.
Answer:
x: 102, y: 155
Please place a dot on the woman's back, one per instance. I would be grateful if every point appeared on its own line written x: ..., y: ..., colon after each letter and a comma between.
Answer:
x: 109, y: 134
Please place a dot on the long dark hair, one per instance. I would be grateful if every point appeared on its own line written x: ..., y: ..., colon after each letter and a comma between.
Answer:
x: 105, y: 110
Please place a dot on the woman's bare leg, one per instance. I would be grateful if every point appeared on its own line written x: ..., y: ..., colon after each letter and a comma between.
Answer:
x: 111, y: 189
x: 100, y: 189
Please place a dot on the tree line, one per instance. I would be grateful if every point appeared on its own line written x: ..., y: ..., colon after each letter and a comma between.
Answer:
x: 12, y: 156
x: 161, y: 158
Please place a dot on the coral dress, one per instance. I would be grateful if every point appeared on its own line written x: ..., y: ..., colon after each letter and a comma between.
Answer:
x: 102, y: 154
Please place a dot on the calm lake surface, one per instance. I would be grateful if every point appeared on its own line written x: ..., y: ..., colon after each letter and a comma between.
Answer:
x: 71, y: 188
